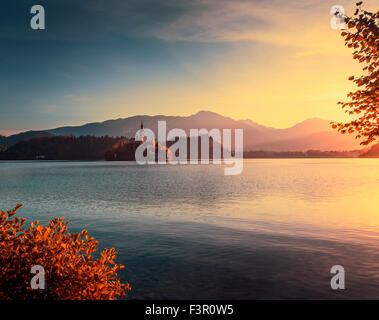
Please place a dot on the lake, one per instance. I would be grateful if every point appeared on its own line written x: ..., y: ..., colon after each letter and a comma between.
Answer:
x: 189, y: 232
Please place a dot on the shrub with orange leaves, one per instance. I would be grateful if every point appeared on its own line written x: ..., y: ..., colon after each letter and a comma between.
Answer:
x: 71, y: 270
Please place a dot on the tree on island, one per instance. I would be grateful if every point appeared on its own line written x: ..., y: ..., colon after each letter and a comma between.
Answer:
x: 362, y: 34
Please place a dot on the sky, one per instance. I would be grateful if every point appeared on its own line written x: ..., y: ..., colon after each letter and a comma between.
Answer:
x: 274, y: 62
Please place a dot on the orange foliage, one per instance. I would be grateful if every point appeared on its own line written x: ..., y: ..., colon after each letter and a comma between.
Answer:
x: 71, y: 271
x: 362, y: 34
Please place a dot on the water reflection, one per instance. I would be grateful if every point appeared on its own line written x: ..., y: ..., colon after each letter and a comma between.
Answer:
x: 191, y: 232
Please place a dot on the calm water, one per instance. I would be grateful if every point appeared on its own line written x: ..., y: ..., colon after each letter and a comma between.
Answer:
x: 189, y: 232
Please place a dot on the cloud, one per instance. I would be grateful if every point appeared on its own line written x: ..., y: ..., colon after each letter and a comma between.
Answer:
x: 217, y: 21
x: 77, y: 98
x: 294, y: 23
x: 280, y: 23
x: 297, y: 23
x: 170, y: 20
x: 51, y: 109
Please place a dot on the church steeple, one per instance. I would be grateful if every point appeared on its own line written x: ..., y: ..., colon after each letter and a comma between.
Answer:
x: 142, y: 132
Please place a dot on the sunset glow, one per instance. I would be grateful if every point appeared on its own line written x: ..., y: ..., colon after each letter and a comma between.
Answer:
x: 243, y: 59
x: 189, y: 157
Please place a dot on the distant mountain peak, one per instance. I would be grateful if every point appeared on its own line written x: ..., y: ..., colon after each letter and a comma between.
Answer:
x: 206, y: 113
x: 313, y: 121
x: 313, y: 133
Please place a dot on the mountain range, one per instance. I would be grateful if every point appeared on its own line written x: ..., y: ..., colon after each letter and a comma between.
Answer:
x: 315, y: 133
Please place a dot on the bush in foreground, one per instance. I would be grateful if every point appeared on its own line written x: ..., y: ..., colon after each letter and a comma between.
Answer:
x: 71, y: 270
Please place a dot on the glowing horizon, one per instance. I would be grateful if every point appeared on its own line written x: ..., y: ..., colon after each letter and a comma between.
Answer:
x: 277, y: 64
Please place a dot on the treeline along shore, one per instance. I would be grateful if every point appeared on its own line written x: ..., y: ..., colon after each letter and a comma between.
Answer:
x: 85, y: 148
x: 91, y: 148
x: 61, y: 148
